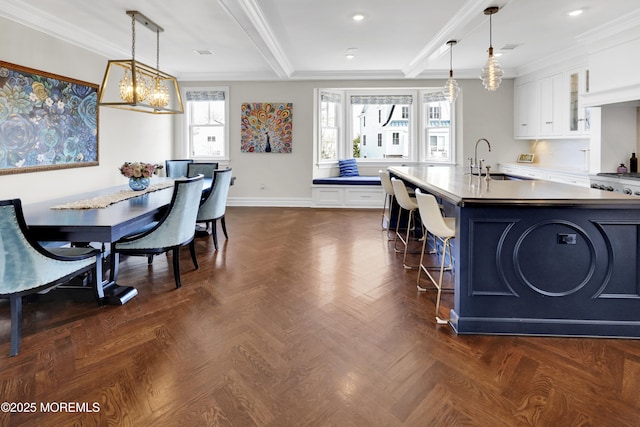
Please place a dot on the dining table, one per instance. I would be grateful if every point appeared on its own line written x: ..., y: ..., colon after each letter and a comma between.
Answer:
x: 68, y: 220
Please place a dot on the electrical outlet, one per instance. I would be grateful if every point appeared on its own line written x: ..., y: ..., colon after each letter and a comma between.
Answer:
x: 566, y: 239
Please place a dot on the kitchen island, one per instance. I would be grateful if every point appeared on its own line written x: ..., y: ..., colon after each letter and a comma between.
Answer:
x: 536, y: 257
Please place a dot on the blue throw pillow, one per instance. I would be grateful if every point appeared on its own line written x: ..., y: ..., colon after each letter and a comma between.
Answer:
x: 348, y: 167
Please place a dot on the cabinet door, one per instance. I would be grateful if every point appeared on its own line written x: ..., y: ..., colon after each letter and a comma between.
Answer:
x: 525, y: 114
x: 579, y: 119
x: 551, y: 106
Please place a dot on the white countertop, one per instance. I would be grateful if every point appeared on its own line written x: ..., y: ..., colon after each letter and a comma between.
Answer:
x: 456, y: 185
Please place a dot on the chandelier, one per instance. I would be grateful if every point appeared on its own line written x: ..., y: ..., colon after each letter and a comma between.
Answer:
x: 492, y: 72
x: 132, y: 85
x: 451, y: 88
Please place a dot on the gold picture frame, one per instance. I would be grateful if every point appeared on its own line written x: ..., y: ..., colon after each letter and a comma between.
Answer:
x: 47, y: 121
x: 525, y: 158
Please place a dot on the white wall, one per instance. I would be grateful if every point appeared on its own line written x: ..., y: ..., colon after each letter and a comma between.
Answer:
x: 123, y: 135
x: 126, y: 135
x: 287, y: 177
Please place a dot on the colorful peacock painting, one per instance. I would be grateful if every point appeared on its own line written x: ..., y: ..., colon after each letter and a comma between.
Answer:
x: 266, y: 127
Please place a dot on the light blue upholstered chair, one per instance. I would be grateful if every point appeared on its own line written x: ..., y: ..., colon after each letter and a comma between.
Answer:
x: 27, y: 268
x: 201, y: 168
x: 177, y: 168
x: 175, y: 229
x: 213, y: 207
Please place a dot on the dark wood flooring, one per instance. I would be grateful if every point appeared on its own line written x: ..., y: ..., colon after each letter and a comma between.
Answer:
x: 304, y: 318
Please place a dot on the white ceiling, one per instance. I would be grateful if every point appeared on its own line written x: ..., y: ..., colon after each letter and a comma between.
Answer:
x: 309, y: 39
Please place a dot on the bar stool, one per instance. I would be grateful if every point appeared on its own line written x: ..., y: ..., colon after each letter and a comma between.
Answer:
x: 440, y: 227
x: 409, y: 204
x: 385, y: 180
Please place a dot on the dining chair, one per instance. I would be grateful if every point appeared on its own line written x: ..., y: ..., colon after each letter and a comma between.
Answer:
x: 214, y: 205
x: 409, y: 204
x: 204, y: 168
x: 175, y: 229
x: 441, y: 227
x: 177, y: 168
x: 26, y: 267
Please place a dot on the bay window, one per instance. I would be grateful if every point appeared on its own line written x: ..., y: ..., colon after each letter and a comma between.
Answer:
x: 389, y: 118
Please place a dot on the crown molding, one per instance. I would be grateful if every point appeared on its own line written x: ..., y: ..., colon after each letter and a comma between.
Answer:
x: 252, y: 22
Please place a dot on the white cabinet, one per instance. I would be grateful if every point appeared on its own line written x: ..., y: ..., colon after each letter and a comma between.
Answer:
x: 578, y: 118
x: 551, y: 105
x: 525, y: 115
x: 580, y: 179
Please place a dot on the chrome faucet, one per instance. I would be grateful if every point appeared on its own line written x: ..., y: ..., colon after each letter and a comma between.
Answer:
x: 475, y: 156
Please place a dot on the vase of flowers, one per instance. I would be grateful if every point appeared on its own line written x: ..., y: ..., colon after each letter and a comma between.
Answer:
x: 139, y: 173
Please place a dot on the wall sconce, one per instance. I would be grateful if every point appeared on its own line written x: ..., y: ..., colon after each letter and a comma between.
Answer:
x: 132, y: 85
x: 492, y: 72
x: 451, y: 88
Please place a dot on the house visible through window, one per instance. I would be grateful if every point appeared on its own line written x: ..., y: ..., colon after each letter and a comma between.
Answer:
x: 330, y: 106
x: 402, y: 128
x: 205, y: 124
x: 438, y: 128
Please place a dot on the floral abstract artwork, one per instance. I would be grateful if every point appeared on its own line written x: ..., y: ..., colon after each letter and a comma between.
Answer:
x: 46, y: 121
x: 266, y: 127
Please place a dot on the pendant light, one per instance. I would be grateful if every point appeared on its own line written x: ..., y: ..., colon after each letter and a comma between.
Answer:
x: 492, y: 72
x: 132, y: 85
x: 451, y: 88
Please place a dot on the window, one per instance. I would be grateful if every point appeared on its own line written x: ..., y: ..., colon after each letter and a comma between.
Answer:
x: 384, y: 126
x: 330, y: 106
x: 393, y: 114
x: 205, y: 123
x: 438, y: 128
x: 434, y: 112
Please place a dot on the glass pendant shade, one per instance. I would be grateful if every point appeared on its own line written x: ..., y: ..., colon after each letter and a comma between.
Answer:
x: 491, y: 73
x: 451, y: 88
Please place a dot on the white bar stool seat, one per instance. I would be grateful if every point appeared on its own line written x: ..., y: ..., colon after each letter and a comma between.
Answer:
x: 409, y: 204
x: 441, y: 227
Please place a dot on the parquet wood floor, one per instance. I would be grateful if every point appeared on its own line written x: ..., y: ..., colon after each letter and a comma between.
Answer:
x: 304, y: 317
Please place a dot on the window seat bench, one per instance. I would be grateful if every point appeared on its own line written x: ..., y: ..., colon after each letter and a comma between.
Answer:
x: 347, y: 192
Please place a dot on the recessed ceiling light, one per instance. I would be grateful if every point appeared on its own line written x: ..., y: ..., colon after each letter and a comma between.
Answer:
x: 351, y: 52
x: 202, y: 52
x: 575, y: 12
x: 358, y: 17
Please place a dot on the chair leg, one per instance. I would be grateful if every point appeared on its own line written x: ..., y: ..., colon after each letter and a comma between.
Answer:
x: 446, y: 248
x: 16, y: 324
x: 176, y: 265
x: 149, y: 259
x: 214, y: 233
x: 224, y: 227
x: 406, y: 241
x: 192, y: 249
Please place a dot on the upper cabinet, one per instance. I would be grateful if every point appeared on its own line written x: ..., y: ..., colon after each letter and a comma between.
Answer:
x: 550, y: 107
x: 579, y: 120
x: 526, y: 119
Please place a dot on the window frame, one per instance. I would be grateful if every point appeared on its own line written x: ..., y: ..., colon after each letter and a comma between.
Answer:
x: 424, y: 133
x: 418, y: 145
x: 187, y: 144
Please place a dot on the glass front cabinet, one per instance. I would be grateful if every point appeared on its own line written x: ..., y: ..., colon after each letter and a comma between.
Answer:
x: 579, y: 116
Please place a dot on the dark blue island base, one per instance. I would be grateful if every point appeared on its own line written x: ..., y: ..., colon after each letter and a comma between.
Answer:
x: 525, y: 264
